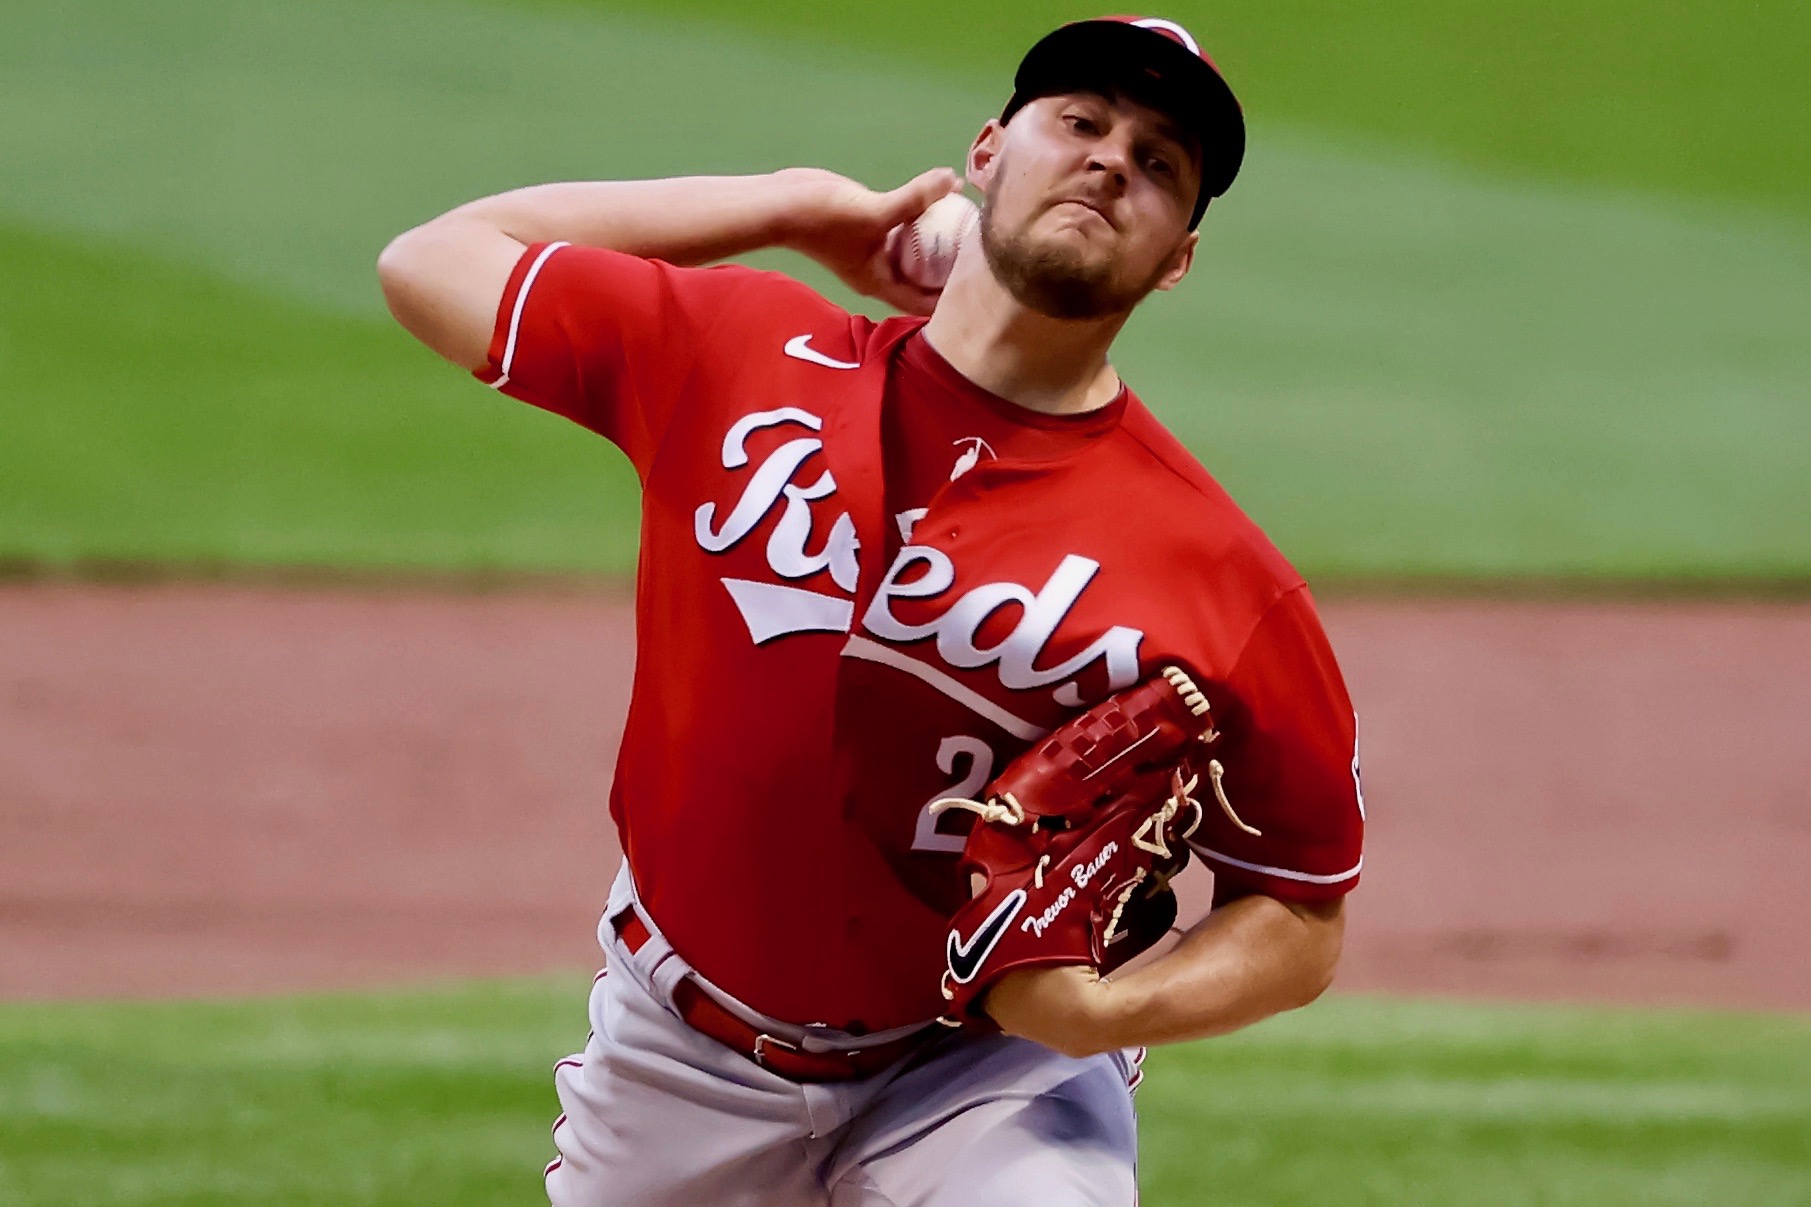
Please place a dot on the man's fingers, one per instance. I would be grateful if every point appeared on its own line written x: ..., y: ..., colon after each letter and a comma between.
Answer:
x: 881, y: 280
x: 914, y: 196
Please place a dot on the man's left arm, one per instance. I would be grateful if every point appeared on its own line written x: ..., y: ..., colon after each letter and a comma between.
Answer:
x: 1289, y: 767
x: 1249, y: 959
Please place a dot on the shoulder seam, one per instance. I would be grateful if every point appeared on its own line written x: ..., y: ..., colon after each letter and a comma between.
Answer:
x: 717, y: 320
x: 1161, y: 460
x: 1245, y: 645
x: 1288, y: 587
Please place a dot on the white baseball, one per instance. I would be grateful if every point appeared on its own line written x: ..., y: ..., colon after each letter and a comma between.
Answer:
x: 926, y: 248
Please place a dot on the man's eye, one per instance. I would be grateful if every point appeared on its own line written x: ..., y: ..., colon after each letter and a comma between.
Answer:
x: 1160, y: 166
x: 1081, y: 125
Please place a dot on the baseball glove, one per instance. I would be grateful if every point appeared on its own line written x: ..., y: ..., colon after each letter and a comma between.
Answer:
x: 1075, y: 841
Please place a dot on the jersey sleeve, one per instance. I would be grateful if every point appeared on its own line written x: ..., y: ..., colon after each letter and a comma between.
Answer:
x: 1289, y: 754
x: 607, y: 339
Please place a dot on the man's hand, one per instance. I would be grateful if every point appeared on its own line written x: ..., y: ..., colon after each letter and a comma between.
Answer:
x: 843, y: 225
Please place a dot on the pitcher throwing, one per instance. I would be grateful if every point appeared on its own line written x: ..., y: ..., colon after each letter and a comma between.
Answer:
x: 949, y: 657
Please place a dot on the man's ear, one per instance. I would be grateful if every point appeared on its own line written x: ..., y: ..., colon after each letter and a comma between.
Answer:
x: 1181, y: 260
x: 984, y: 153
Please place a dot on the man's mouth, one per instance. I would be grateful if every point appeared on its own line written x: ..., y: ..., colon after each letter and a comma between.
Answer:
x: 1092, y: 206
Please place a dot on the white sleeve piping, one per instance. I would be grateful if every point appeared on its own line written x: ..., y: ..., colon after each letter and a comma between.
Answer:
x: 1283, y: 873
x: 515, y: 317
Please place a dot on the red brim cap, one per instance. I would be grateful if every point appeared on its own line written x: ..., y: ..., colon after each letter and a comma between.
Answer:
x: 1152, y: 65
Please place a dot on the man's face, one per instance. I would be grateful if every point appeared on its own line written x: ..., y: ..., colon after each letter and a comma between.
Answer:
x: 1088, y: 199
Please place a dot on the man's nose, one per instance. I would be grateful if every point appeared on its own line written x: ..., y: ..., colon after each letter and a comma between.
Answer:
x: 1110, y: 156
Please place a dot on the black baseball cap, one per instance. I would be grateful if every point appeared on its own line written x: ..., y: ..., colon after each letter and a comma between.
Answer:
x: 1155, y: 62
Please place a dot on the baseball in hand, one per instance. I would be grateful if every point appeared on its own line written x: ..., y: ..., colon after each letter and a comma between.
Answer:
x: 924, y: 250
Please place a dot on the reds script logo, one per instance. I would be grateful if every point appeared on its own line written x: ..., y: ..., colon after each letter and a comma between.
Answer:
x: 799, y: 546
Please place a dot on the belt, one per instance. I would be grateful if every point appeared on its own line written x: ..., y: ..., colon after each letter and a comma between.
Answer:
x: 703, y: 1014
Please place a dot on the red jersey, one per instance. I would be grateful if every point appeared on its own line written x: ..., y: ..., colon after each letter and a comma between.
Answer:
x: 866, y: 584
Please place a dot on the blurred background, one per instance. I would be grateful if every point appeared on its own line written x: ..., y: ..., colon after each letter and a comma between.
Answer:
x: 312, y: 654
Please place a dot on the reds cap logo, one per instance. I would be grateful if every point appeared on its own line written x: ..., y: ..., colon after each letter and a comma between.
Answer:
x: 1168, y: 29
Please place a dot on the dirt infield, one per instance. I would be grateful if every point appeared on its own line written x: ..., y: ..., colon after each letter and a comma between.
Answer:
x: 218, y: 789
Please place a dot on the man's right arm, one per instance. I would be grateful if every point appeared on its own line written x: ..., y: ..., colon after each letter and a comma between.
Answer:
x: 443, y: 279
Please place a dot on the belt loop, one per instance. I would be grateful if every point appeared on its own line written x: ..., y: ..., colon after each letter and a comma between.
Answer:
x: 653, y: 961
x: 666, y: 969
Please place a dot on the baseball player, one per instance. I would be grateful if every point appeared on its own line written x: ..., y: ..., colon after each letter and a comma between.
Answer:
x: 879, y: 561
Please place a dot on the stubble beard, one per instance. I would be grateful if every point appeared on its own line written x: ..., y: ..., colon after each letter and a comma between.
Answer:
x: 1056, y: 279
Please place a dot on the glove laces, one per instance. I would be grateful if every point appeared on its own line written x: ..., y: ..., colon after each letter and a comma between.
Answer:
x: 1004, y: 809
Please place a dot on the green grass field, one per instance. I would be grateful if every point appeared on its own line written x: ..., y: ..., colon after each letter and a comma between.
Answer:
x: 444, y: 1097
x: 1451, y: 323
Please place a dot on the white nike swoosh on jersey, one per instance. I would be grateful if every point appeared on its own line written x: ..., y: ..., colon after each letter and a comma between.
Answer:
x: 799, y: 348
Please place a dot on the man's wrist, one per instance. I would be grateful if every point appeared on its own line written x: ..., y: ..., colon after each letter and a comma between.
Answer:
x: 1067, y: 1009
x: 799, y: 198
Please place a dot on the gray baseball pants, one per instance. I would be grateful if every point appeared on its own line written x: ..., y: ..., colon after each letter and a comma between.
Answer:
x: 658, y: 1115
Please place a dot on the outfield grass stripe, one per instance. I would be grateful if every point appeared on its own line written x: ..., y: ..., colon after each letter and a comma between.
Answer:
x: 1680, y: 98
x: 1400, y: 367
x: 173, y: 415
x: 1547, y: 1099
x: 444, y: 1096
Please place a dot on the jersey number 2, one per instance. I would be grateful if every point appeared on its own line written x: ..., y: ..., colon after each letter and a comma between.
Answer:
x: 972, y: 761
